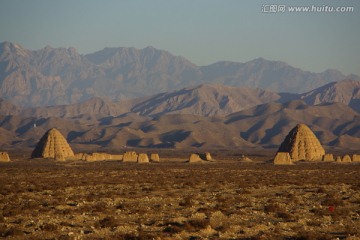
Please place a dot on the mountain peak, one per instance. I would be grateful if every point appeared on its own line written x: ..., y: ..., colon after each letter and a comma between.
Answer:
x: 14, y: 49
x: 53, y: 76
x: 346, y: 91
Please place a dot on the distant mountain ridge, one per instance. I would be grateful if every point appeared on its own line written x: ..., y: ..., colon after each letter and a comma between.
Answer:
x: 202, y: 100
x: 265, y: 125
x: 346, y: 92
x: 60, y: 76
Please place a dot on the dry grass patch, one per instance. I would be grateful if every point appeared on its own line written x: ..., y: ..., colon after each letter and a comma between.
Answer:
x: 177, y: 201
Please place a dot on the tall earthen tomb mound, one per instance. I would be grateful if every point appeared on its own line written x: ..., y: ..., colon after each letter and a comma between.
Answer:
x: 53, y: 145
x: 302, y: 144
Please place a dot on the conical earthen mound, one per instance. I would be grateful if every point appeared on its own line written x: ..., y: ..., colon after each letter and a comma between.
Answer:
x: 302, y: 144
x: 53, y: 145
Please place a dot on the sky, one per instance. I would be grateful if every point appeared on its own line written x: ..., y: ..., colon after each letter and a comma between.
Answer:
x: 203, y: 31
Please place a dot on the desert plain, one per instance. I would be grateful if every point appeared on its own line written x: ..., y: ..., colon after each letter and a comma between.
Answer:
x: 76, y: 183
x: 172, y: 199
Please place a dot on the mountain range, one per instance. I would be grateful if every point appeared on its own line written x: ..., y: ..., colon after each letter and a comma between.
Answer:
x: 265, y: 125
x: 209, y: 116
x: 203, y: 100
x: 127, y: 97
x: 60, y: 76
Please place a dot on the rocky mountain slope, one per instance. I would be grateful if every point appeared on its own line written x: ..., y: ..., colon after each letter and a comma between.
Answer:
x: 92, y: 108
x: 269, y: 123
x: 59, y: 76
x: 203, y: 100
x: 8, y: 108
x: 266, y: 125
x: 346, y: 92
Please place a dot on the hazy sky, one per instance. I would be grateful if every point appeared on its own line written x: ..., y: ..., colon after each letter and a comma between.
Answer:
x: 203, y: 31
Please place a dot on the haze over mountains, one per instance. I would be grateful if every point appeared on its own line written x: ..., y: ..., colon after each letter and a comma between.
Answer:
x: 58, y: 76
x: 149, y: 98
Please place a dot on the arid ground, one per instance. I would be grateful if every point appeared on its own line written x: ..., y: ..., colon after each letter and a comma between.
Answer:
x: 227, y: 199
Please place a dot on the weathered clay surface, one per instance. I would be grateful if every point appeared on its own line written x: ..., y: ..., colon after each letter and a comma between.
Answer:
x: 208, y: 156
x: 356, y: 157
x: 346, y: 158
x: 154, y: 157
x: 302, y: 144
x: 130, y: 156
x: 194, y: 158
x: 282, y: 158
x: 328, y: 157
x: 53, y: 145
x: 143, y: 158
x: 4, y: 157
x: 90, y: 157
x: 245, y: 159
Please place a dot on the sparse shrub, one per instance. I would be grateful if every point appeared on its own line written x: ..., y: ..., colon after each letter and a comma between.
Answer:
x: 3, y: 230
x: 199, y: 223
x: 332, y: 200
x: 64, y: 237
x: 99, y: 207
x: 320, y: 212
x: 284, y: 215
x: 11, y: 232
x: 352, y: 229
x: 172, y: 229
x: 147, y: 189
x: 186, y: 202
x: 321, y: 190
x: 48, y: 227
x: 272, y: 208
x: 120, y: 206
x: 108, y: 222
x: 219, y: 221
x: 11, y: 210
x: 305, y: 235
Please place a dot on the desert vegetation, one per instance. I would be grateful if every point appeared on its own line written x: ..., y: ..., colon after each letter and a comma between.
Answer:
x: 44, y: 199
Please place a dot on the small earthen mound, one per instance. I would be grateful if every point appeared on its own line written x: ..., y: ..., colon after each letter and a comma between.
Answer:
x: 91, y: 157
x: 130, y: 156
x: 143, y: 158
x: 245, y: 159
x: 80, y: 156
x: 101, y: 156
x: 207, y: 156
x: 4, y: 157
x: 346, y: 159
x: 302, y: 144
x: 282, y: 158
x: 118, y: 157
x: 356, y: 158
x: 328, y: 157
x: 53, y: 145
x: 194, y: 158
x: 154, y: 157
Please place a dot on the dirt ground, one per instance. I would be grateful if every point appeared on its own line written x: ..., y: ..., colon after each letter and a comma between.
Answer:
x: 42, y: 199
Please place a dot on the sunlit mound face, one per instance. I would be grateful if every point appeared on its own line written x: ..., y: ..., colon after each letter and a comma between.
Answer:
x: 53, y: 145
x: 302, y: 144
